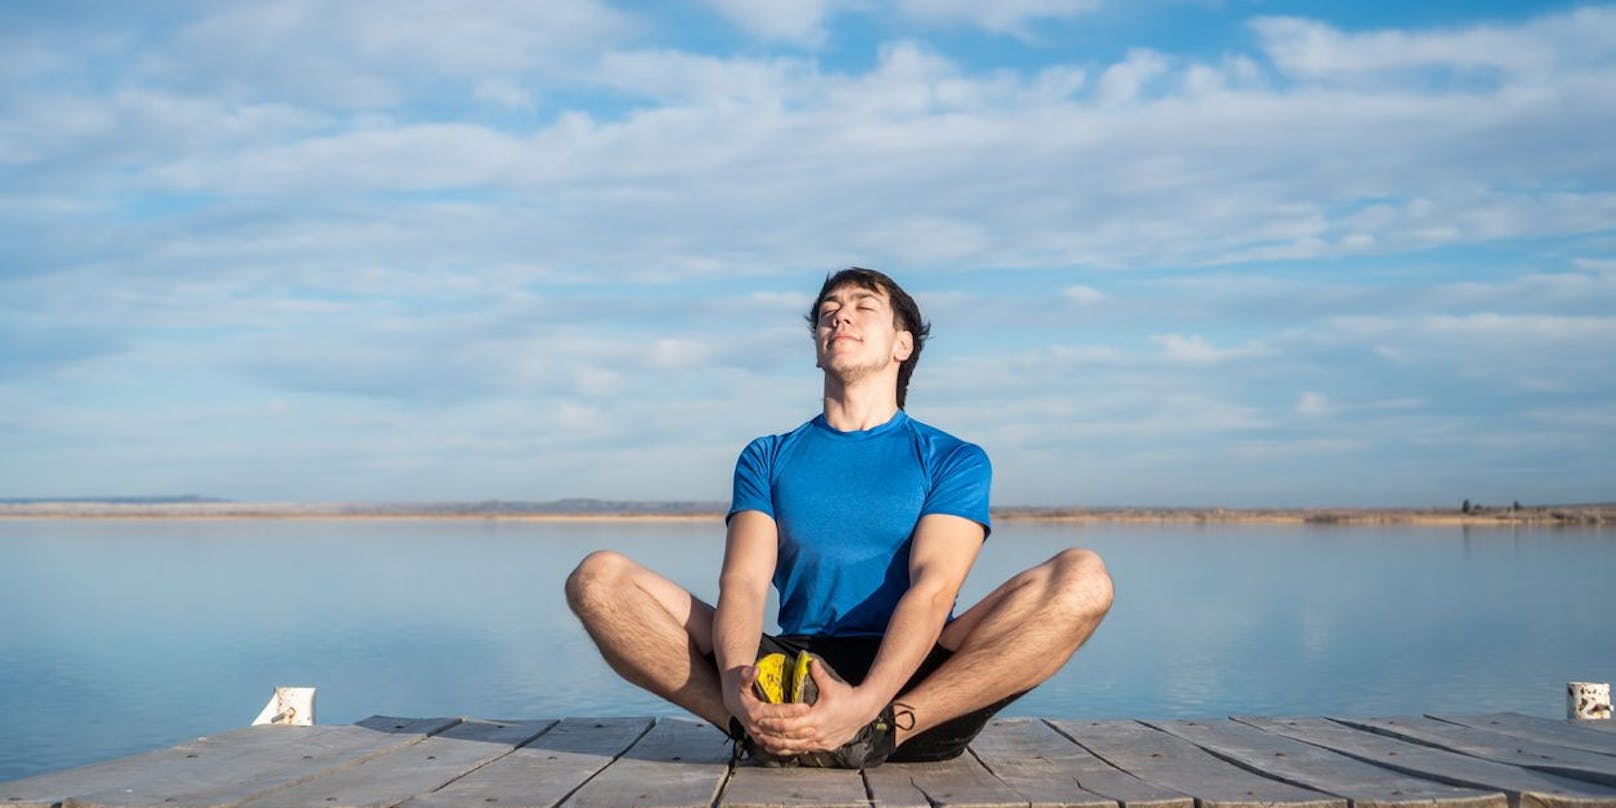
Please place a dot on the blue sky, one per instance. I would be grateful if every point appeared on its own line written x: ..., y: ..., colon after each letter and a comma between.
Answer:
x: 1174, y: 252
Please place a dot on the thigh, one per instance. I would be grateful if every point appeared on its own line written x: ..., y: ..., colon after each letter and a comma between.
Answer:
x: 966, y: 622
x: 691, y: 612
x: 1074, y: 582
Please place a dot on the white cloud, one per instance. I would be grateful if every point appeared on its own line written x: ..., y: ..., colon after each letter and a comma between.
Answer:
x: 1311, y: 49
x: 1506, y: 354
x: 804, y: 22
x: 1539, y: 328
x: 528, y: 222
x: 677, y: 78
x: 1128, y: 80
x: 1313, y: 404
x: 1013, y: 17
x: 1083, y: 295
x: 371, y: 54
x: 1232, y: 73
x: 680, y: 353
x: 918, y: 160
x: 926, y: 240
x: 505, y: 92
x: 799, y: 22
x: 1195, y: 349
x: 442, y: 156
x: 1602, y: 265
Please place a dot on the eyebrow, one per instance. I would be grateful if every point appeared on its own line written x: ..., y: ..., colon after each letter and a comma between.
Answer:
x: 861, y: 294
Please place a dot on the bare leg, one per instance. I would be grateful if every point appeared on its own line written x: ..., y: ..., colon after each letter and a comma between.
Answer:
x: 1015, y: 638
x: 650, y: 630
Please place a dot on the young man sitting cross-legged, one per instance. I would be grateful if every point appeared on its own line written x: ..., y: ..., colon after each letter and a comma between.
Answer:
x: 867, y: 522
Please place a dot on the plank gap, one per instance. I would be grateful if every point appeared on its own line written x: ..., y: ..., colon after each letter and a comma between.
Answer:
x: 524, y: 742
x: 602, y: 770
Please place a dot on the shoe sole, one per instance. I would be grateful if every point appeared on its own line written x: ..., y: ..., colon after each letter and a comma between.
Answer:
x: 804, y: 690
x: 770, y: 686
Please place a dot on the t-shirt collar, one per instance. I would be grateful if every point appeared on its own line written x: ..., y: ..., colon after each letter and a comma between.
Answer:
x: 894, y: 422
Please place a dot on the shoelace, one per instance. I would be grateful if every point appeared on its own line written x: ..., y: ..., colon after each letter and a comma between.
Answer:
x: 901, y: 711
x: 737, y: 741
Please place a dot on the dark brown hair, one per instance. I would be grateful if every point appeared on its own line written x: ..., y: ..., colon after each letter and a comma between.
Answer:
x: 905, y: 314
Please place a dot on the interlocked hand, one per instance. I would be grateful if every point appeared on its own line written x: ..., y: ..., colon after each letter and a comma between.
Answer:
x: 833, y: 720
x: 760, y: 719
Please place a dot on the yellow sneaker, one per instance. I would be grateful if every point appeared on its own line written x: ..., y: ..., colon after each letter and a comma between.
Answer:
x: 770, y: 686
x: 803, y: 688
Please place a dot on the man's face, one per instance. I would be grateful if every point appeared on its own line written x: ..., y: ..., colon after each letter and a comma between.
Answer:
x: 857, y: 333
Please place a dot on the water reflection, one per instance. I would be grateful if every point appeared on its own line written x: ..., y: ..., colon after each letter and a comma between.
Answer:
x: 123, y: 636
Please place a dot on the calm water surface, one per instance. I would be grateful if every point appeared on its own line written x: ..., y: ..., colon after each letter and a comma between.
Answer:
x: 125, y: 636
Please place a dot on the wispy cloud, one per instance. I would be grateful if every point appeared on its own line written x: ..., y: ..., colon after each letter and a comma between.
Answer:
x: 795, y: 21
x: 1016, y: 17
x: 448, y: 250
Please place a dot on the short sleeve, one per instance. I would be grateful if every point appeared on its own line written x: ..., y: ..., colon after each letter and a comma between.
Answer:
x: 960, y: 485
x: 753, y: 472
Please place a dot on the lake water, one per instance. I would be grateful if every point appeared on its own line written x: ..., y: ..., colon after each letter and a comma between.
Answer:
x: 121, y: 636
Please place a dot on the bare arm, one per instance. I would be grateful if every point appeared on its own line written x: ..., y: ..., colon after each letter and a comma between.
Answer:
x: 943, y: 551
x: 750, y: 553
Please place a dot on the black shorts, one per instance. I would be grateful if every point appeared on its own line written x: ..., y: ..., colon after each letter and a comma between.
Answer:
x: 851, y: 658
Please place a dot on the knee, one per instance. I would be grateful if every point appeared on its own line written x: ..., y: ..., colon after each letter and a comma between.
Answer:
x: 594, y: 578
x: 1081, y: 583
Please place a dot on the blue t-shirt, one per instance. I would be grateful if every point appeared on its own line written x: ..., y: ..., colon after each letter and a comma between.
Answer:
x: 846, y: 505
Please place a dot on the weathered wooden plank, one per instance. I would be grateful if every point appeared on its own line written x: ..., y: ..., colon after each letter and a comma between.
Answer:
x: 543, y: 771
x: 889, y: 786
x: 760, y: 787
x: 959, y: 783
x: 1293, y: 761
x: 383, y: 761
x: 1049, y: 770
x: 1574, y: 763
x: 1026, y: 756
x: 223, y: 769
x: 678, y: 764
x: 393, y: 778
x: 1523, y: 786
x: 1160, y: 758
x: 1573, y: 734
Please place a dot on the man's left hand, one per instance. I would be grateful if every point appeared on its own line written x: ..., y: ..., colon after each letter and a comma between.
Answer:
x: 838, y: 714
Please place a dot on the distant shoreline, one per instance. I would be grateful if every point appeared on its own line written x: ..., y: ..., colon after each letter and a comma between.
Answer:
x: 1545, y: 515
x: 603, y: 511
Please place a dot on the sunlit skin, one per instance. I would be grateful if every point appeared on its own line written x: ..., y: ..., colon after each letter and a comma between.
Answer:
x: 859, y: 345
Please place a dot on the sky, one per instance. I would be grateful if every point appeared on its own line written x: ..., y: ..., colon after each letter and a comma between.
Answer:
x: 1174, y: 252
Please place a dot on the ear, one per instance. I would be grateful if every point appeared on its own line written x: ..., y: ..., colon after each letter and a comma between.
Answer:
x: 904, y: 347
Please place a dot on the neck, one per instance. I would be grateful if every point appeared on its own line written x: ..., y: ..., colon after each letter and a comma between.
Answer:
x: 859, y: 406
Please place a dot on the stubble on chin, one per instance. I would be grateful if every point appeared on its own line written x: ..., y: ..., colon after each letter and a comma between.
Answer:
x: 849, y: 371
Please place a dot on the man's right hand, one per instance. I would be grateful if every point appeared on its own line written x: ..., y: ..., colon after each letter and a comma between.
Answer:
x: 761, y: 720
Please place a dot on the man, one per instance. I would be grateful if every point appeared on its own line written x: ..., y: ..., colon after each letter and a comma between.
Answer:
x: 867, y: 522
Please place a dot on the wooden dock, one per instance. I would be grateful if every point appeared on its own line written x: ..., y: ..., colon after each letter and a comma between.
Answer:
x: 1488, y: 761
